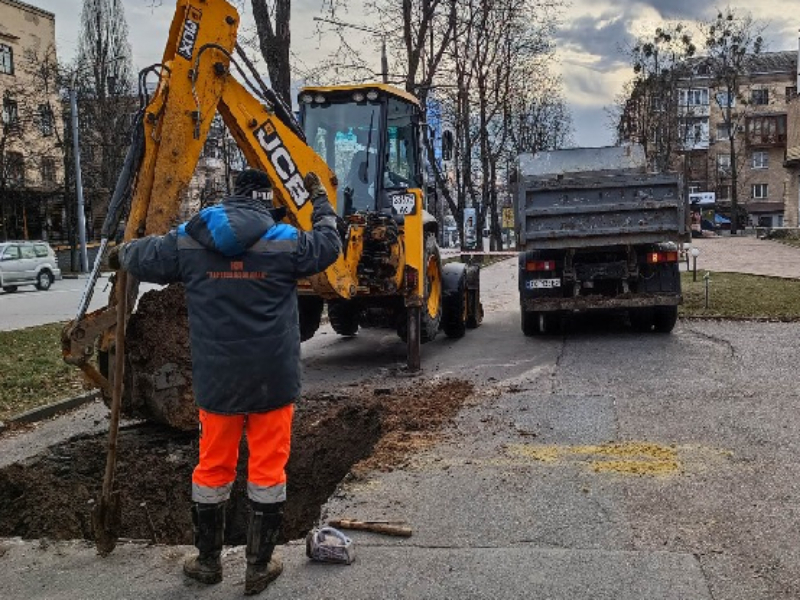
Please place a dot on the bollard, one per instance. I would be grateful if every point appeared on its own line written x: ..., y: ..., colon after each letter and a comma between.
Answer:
x: 707, y: 279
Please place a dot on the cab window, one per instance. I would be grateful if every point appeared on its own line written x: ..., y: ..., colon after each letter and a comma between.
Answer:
x: 401, y: 169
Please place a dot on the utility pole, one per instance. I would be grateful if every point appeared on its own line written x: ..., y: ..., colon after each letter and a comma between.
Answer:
x: 384, y: 58
x: 76, y: 146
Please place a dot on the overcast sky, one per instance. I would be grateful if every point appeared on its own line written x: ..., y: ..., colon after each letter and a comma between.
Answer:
x: 589, y: 41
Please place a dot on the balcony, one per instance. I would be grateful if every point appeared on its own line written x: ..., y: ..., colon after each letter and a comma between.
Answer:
x: 793, y: 134
x: 766, y: 131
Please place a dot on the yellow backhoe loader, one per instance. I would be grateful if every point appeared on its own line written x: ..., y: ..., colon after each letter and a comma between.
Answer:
x: 365, y: 144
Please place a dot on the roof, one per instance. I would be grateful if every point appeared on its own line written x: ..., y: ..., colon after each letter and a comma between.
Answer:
x: 30, y: 8
x: 384, y: 87
x: 762, y: 63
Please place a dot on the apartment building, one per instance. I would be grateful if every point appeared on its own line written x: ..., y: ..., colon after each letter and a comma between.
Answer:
x: 792, y: 162
x: 31, y: 161
x: 760, y: 123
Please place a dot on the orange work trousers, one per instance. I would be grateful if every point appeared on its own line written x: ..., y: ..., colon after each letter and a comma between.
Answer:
x: 268, y: 441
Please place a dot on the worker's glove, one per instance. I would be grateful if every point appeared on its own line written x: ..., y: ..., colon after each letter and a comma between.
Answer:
x: 115, y: 257
x: 314, y: 186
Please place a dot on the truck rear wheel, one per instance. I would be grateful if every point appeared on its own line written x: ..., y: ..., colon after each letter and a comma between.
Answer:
x: 344, y: 317
x: 529, y: 322
x: 664, y: 318
x: 309, y: 311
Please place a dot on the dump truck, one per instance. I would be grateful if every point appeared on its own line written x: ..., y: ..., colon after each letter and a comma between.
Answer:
x: 596, y: 232
x: 365, y: 143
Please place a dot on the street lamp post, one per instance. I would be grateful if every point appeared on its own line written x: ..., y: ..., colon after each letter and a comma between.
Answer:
x: 695, y: 253
x: 76, y: 145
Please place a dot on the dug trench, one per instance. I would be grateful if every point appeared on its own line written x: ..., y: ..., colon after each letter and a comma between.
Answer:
x: 350, y: 433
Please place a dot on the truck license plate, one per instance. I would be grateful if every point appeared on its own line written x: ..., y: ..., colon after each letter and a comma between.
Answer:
x: 535, y: 284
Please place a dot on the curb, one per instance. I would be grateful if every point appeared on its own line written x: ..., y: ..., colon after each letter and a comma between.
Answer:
x: 51, y: 410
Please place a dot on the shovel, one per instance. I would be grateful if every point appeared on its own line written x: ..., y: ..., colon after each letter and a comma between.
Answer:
x: 107, y: 513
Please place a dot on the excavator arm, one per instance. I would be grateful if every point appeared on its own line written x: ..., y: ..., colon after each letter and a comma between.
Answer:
x: 195, y: 83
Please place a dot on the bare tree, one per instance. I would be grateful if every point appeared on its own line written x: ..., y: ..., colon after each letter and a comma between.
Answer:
x: 103, y: 75
x: 731, y: 40
x: 274, y: 36
x: 651, y: 113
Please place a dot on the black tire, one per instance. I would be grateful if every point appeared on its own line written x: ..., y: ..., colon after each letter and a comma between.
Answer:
x: 10, y: 289
x: 309, y: 311
x: 664, y: 318
x: 550, y: 323
x: 641, y: 319
x: 44, y: 280
x: 529, y: 322
x: 474, y: 306
x: 432, y: 289
x: 454, y: 306
x: 343, y: 315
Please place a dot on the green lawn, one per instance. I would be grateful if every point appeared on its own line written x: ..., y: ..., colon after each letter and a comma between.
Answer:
x: 32, y: 372
x: 737, y: 296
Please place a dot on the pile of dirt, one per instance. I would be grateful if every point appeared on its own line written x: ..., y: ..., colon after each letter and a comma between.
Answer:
x: 372, y: 428
x: 158, y: 361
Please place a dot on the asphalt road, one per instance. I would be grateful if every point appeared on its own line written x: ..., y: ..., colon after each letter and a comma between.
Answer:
x: 598, y: 464
x: 29, y: 307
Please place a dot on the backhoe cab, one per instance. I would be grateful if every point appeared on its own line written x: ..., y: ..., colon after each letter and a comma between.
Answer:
x: 370, y: 137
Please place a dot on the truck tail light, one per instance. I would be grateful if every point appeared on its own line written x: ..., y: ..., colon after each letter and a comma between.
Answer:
x: 654, y: 258
x: 540, y: 265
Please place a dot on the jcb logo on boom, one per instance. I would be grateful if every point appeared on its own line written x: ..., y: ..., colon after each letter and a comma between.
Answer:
x: 191, y: 29
x: 283, y: 163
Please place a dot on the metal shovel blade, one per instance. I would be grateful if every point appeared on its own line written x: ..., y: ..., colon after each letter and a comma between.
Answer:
x: 107, y: 523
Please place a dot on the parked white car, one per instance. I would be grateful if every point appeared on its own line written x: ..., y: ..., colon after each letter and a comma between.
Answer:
x: 27, y: 263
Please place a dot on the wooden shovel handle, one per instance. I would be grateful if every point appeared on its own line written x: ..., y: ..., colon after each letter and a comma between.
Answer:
x: 119, y: 370
x: 372, y: 526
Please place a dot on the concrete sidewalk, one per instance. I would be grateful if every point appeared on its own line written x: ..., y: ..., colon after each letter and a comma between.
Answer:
x: 747, y: 254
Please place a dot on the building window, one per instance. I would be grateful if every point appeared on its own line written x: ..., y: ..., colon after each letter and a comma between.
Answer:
x: 447, y: 145
x: 723, y: 192
x: 767, y: 130
x: 725, y: 100
x: 48, y: 170
x: 760, y: 160
x: 15, y: 168
x: 759, y: 191
x: 791, y: 93
x: 694, y: 97
x: 759, y: 96
x: 723, y: 131
x: 723, y: 165
x: 46, y: 120
x: 10, y: 114
x: 6, y: 60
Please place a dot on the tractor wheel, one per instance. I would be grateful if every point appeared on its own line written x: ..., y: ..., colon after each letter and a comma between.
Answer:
x: 309, y: 310
x: 455, y: 301
x: 344, y: 317
x: 432, y: 289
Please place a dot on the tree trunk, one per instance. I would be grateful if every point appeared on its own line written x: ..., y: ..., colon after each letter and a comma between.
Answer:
x: 275, y: 41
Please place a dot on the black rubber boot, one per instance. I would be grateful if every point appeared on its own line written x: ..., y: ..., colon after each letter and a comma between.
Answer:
x: 263, y: 566
x: 209, y: 530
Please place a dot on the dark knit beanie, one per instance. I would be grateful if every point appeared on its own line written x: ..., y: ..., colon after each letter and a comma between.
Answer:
x: 250, y: 181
